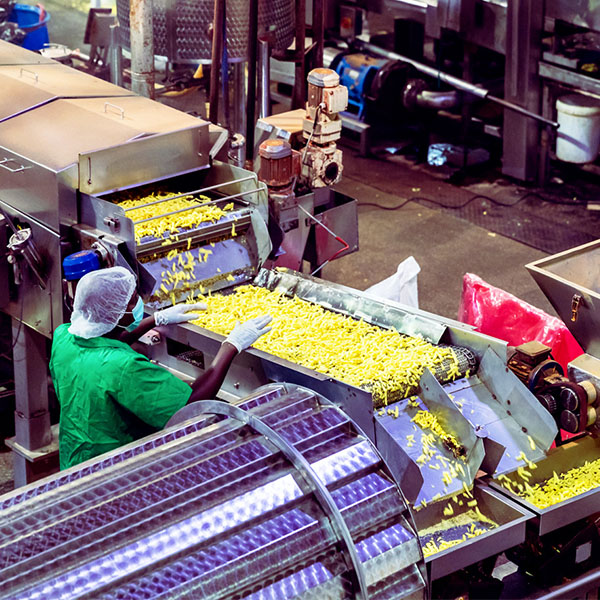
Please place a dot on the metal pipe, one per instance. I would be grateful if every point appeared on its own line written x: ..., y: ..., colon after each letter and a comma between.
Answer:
x: 116, y: 67
x: 460, y: 84
x: 251, y: 99
x: 142, y: 47
x: 437, y: 100
x: 299, y: 94
x: 215, y: 60
x: 239, y: 98
x: 318, y: 31
x: 264, y: 57
x: 200, y: 191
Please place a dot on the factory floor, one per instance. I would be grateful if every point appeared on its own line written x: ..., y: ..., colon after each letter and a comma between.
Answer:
x: 488, y: 225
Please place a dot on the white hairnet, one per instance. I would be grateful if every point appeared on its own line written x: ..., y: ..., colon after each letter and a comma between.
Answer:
x: 101, y: 300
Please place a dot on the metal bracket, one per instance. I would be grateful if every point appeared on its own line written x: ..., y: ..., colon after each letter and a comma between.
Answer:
x: 576, y: 302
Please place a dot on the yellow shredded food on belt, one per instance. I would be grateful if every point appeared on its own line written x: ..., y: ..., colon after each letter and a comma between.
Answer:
x: 173, y: 223
x: 559, y: 487
x: 380, y: 360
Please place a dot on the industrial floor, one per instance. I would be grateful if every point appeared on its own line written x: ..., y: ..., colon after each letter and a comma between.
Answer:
x: 488, y: 225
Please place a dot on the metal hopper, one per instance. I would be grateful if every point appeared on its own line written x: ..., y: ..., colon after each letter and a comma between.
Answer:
x: 571, y: 281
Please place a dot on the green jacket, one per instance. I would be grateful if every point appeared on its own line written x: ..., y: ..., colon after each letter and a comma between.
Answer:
x: 109, y: 395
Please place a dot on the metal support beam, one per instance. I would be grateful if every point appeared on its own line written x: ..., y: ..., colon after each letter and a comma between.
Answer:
x: 299, y: 93
x: 32, y: 419
x: 142, y: 47
x: 216, y: 58
x: 115, y: 60
x: 318, y: 31
x: 264, y: 62
x: 521, y: 135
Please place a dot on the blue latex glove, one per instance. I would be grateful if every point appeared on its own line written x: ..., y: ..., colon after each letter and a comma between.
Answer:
x: 178, y: 313
x: 245, y: 334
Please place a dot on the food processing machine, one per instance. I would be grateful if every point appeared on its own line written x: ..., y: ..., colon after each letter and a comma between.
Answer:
x: 305, y: 452
x: 71, y: 145
x: 517, y: 54
x: 278, y: 495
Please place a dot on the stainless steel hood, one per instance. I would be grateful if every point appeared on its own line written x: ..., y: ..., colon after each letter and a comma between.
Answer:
x: 95, y: 145
x: 571, y: 281
x: 28, y: 86
x: 11, y: 54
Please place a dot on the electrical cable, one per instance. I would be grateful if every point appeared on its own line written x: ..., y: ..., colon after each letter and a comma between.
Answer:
x: 12, y: 347
x: 318, y: 110
x: 382, y: 207
x: 473, y: 198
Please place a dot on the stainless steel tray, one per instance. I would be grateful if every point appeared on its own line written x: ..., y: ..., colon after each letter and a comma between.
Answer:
x: 571, y: 279
x: 560, y: 459
x: 510, y: 517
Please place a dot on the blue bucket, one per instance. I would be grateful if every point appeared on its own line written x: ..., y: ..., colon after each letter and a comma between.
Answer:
x: 32, y: 20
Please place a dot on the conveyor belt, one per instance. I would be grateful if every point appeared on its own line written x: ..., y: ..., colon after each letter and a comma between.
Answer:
x: 219, y: 510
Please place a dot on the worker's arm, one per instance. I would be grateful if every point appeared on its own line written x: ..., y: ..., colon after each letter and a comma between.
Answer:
x: 209, y: 383
x: 180, y: 313
x: 242, y: 337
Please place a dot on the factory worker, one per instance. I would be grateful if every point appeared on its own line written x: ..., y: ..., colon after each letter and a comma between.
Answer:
x: 109, y: 394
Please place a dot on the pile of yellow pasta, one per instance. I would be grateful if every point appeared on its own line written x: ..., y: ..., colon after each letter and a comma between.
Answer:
x: 380, y: 360
x: 557, y: 488
x: 470, y: 518
x: 173, y: 223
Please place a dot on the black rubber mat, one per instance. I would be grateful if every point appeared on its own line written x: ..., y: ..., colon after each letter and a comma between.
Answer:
x: 551, y: 219
x: 549, y: 229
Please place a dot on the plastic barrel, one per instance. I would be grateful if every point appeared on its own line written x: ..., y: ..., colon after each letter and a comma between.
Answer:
x: 578, y: 138
x: 32, y: 20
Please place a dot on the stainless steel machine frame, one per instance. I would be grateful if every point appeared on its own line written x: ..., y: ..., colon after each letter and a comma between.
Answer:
x: 97, y: 137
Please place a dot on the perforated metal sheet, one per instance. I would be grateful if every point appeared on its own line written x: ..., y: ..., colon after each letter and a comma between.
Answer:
x: 182, y: 29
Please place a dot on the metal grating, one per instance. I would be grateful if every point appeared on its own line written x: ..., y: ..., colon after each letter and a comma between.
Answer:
x: 182, y: 29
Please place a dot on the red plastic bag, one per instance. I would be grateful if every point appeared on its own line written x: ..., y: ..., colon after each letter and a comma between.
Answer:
x: 502, y: 315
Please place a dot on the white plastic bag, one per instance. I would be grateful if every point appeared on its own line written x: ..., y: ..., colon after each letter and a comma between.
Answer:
x: 401, y: 286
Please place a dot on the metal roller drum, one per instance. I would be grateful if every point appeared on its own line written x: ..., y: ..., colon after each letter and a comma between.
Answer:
x: 279, y: 496
x: 182, y: 28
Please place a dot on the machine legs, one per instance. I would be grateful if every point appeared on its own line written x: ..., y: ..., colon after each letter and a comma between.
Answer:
x: 33, y: 445
x: 525, y: 20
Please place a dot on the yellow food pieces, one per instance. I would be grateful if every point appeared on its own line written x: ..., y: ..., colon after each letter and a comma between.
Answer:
x: 557, y: 488
x: 173, y: 223
x: 472, y: 522
x: 380, y: 360
x: 427, y: 420
x: 394, y: 412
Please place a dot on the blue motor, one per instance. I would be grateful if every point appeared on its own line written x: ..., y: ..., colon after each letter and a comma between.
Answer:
x: 76, y: 265
x: 357, y: 72
x: 375, y: 85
